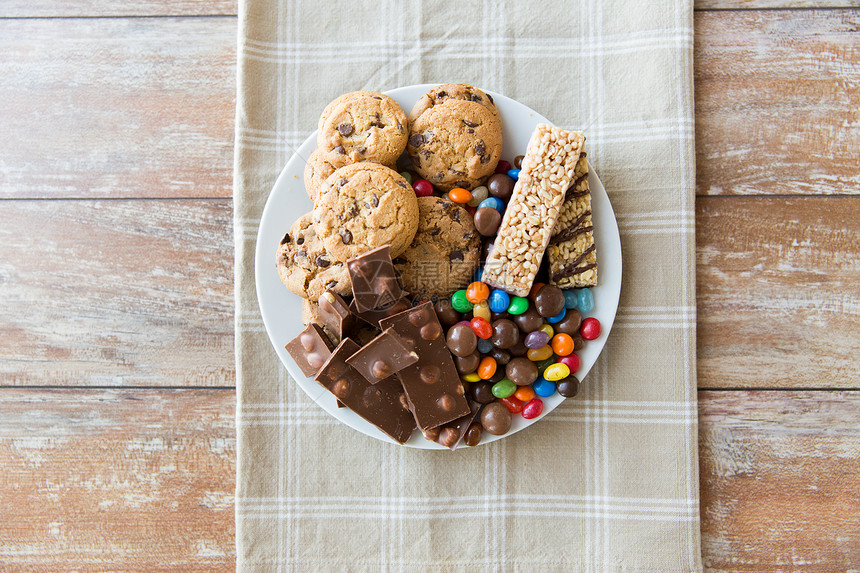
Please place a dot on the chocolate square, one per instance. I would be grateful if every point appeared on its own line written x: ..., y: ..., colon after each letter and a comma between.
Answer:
x: 310, y: 349
x: 374, y: 282
x: 372, y: 317
x: 382, y: 357
x: 335, y: 315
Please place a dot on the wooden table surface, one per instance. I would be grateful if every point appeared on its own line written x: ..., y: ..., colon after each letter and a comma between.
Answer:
x: 117, y: 380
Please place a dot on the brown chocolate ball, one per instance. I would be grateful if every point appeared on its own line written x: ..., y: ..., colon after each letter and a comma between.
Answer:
x: 446, y: 313
x: 568, y: 386
x: 569, y: 324
x: 518, y: 161
x: 496, y: 419
x: 487, y: 221
x: 505, y: 333
x: 461, y: 340
x: 518, y: 349
x: 501, y: 186
x: 473, y: 435
x: 467, y: 364
x: 521, y: 371
x: 530, y: 320
x: 482, y: 392
x: 497, y: 376
x: 549, y: 301
x: 502, y: 357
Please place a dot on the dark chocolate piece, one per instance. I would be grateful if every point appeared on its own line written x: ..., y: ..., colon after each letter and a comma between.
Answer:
x: 374, y: 283
x: 382, y: 357
x: 310, y: 349
x: 384, y: 404
x: 431, y: 384
x: 335, y: 314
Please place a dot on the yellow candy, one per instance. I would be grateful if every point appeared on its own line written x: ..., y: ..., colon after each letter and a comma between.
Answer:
x: 556, y: 372
x: 538, y: 354
x: 482, y: 310
x: 546, y: 327
x: 472, y: 377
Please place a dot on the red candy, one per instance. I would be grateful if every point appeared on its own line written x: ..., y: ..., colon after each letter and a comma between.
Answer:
x: 514, y: 405
x: 572, y: 361
x: 503, y: 167
x: 533, y: 408
x: 471, y: 210
x: 482, y: 328
x: 423, y: 188
x: 590, y: 328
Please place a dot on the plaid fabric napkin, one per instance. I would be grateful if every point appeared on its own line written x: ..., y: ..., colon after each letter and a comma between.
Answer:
x: 606, y: 482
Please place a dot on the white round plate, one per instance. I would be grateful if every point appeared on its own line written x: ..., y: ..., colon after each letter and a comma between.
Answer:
x: 282, y: 310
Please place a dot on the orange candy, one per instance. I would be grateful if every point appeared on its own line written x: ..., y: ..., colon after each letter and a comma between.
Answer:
x: 538, y: 354
x: 477, y: 292
x: 524, y: 393
x: 562, y: 344
x: 459, y: 195
x: 487, y: 367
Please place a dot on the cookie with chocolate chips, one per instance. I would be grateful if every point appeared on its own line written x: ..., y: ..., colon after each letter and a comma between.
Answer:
x: 365, y: 205
x: 304, y: 265
x: 444, y: 92
x: 321, y: 164
x: 445, y: 252
x: 455, y: 143
x: 364, y: 126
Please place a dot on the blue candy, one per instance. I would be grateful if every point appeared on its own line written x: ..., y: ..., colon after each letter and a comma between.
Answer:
x: 585, y: 300
x: 493, y: 202
x: 485, y: 345
x: 557, y: 318
x: 570, y: 299
x: 514, y: 174
x: 499, y: 301
x: 543, y: 387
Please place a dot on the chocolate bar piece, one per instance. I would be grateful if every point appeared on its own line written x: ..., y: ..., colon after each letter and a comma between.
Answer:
x: 384, y: 404
x: 374, y: 283
x: 432, y: 384
x: 572, y: 253
x: 382, y: 357
x: 310, y: 349
x: 547, y: 170
x: 451, y: 434
x: 335, y: 315
x: 372, y: 317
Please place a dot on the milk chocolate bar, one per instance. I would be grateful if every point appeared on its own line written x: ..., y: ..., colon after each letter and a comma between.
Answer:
x: 451, y: 434
x: 432, y: 384
x: 571, y: 252
x: 384, y: 404
x: 374, y: 283
x: 547, y: 171
x: 310, y: 349
x: 372, y: 317
x: 382, y: 357
x: 335, y: 315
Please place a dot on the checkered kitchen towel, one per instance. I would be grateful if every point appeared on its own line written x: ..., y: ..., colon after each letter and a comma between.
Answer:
x: 606, y: 482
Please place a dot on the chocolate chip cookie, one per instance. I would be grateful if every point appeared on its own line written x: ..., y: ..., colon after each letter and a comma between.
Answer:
x: 304, y: 265
x: 365, y: 205
x: 320, y: 165
x: 444, y: 92
x: 365, y: 126
x: 455, y: 143
x: 445, y: 252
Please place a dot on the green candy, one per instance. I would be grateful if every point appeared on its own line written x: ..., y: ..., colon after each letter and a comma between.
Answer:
x: 460, y: 302
x: 518, y: 305
x: 408, y: 176
x: 544, y: 364
x: 504, y: 388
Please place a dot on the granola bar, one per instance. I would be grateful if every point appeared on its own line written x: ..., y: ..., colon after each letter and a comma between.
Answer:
x: 572, y: 253
x: 547, y: 170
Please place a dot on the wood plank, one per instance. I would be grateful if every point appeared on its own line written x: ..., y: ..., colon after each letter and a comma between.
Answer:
x: 776, y: 102
x: 117, y: 107
x: 112, y: 293
x: 772, y: 4
x: 92, y: 8
x: 119, y: 480
x: 777, y: 292
x: 780, y: 481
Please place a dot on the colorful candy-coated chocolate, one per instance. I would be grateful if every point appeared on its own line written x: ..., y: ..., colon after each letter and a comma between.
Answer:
x: 557, y: 318
x: 478, y: 194
x: 534, y: 290
x: 513, y: 404
x: 482, y: 327
x: 571, y: 360
x: 503, y: 166
x: 422, y: 187
x: 482, y: 310
x: 590, y: 328
x: 556, y: 372
x: 536, y: 339
x: 544, y: 364
x: 570, y: 299
x: 568, y: 387
x: 562, y: 344
x: 514, y: 174
x: 518, y: 305
x: 532, y: 408
x: 459, y: 195
x: 499, y: 300
x: 550, y: 331
x: 487, y: 368
x: 543, y: 387
x: 471, y: 377
x: 493, y: 202
x: 460, y: 301
x: 538, y: 354
x: 408, y: 176
x: 504, y: 388
x: 524, y: 393
x: 485, y: 345
x: 585, y: 300
x: 477, y: 292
